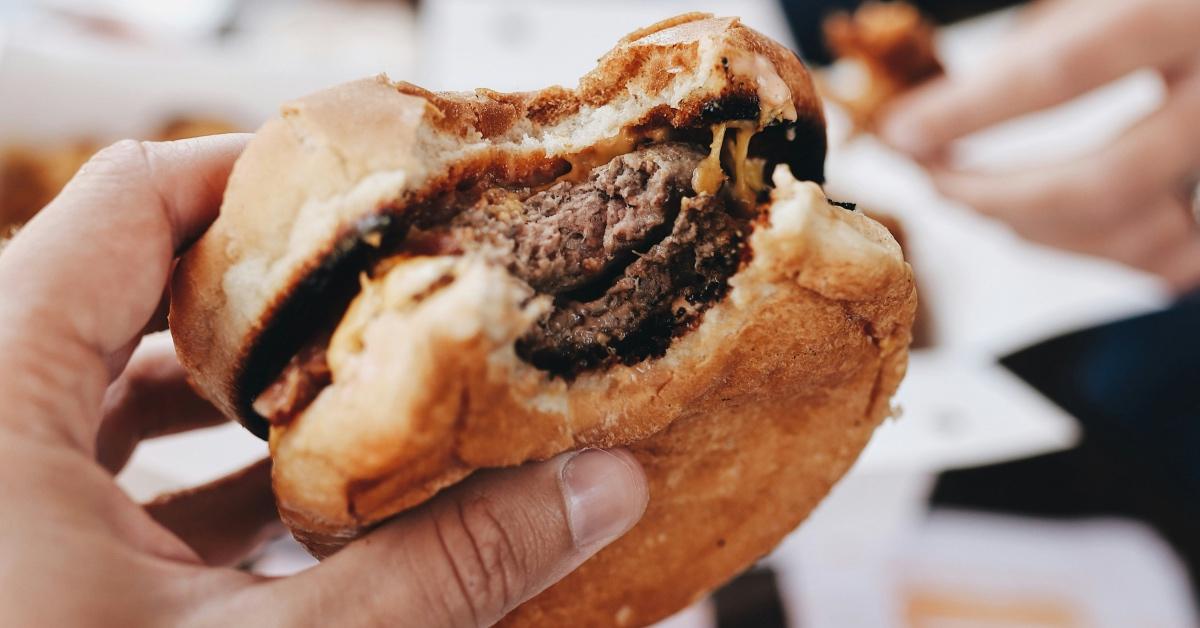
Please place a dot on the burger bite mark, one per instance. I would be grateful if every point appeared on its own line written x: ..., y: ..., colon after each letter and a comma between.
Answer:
x: 633, y: 251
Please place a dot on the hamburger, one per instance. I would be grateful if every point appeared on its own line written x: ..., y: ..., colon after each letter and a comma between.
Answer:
x: 405, y: 286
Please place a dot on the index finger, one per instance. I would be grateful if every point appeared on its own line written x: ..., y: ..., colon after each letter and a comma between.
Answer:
x: 84, y: 277
x: 1064, y: 54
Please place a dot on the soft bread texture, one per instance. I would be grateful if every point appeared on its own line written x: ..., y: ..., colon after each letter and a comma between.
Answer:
x: 743, y: 425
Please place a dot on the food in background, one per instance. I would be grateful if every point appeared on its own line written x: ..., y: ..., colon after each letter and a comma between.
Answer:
x: 883, y: 50
x: 182, y: 128
x: 31, y: 176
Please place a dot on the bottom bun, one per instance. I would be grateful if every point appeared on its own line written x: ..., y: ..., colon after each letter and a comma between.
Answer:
x: 742, y: 427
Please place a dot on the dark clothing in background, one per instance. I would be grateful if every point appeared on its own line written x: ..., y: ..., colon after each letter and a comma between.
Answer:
x: 805, y: 17
x: 1134, y: 387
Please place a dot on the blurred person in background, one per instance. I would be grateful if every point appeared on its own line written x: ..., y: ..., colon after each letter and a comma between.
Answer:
x: 1131, y: 201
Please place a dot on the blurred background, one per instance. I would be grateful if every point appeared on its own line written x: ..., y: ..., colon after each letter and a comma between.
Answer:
x: 1017, y: 485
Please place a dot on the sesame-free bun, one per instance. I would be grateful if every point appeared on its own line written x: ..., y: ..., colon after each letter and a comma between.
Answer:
x: 742, y: 426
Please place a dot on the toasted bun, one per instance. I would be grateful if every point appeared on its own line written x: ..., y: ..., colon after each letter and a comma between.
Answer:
x: 742, y: 426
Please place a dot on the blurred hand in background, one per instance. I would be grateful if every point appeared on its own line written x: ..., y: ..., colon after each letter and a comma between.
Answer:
x: 1130, y: 201
x: 82, y: 283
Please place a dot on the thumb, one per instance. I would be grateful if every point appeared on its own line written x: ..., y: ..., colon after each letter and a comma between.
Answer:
x: 477, y: 551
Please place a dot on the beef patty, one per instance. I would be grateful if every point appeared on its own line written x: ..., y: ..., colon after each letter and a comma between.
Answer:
x: 659, y: 294
x: 631, y: 255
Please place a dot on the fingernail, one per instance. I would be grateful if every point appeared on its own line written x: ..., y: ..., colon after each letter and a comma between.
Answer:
x: 605, y: 494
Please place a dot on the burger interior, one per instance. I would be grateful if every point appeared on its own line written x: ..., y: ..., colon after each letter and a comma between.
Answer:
x: 631, y: 240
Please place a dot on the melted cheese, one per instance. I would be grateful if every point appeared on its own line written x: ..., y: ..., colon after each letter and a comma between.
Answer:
x: 604, y: 151
x: 709, y: 176
x: 747, y: 172
x: 728, y: 159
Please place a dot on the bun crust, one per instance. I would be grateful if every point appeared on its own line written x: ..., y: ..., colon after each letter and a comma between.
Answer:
x: 743, y: 425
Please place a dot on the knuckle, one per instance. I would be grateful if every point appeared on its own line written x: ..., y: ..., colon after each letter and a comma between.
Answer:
x: 488, y: 566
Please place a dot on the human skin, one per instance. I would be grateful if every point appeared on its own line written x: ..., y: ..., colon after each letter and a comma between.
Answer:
x: 1131, y: 199
x: 80, y: 286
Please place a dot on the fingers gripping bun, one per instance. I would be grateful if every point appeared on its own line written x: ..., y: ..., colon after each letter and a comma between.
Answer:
x: 763, y: 380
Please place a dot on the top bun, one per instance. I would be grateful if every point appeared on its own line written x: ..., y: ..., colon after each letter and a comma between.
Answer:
x: 341, y: 163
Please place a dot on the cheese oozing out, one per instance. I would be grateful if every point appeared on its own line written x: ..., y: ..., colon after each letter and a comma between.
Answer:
x: 746, y: 172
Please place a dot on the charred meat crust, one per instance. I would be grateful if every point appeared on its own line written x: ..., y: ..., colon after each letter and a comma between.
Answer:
x: 316, y: 303
x: 303, y: 377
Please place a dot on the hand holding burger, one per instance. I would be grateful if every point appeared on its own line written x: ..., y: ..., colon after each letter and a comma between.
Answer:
x: 82, y: 283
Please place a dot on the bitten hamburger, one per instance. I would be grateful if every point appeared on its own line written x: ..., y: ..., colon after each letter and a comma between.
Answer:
x: 405, y: 286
